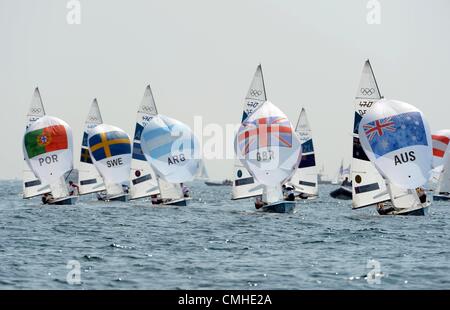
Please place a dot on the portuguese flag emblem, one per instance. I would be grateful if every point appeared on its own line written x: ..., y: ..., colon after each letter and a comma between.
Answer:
x: 48, y: 139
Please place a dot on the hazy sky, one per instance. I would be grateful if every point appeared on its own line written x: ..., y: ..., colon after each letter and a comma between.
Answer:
x: 199, y: 57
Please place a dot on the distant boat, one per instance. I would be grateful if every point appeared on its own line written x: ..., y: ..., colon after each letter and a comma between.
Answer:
x: 48, y: 150
x: 396, y: 138
x: 219, y: 183
x: 90, y: 180
x: 268, y: 147
x: 143, y: 178
x: 441, y: 164
x: 244, y: 185
x: 344, y: 191
x: 173, y: 152
x: 305, y: 178
x: 110, y: 151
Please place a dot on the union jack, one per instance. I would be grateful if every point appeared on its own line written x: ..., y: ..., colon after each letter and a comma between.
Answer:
x: 265, y: 132
x: 378, y: 127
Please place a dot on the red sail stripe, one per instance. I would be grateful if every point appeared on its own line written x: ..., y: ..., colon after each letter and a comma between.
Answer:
x: 438, y: 153
x: 442, y: 139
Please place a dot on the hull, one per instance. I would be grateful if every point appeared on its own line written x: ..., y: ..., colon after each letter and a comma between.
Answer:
x: 342, y: 192
x: 441, y: 197
x: 71, y: 200
x: 280, y: 207
x: 121, y: 197
x: 415, y: 212
x: 179, y: 202
x: 217, y: 184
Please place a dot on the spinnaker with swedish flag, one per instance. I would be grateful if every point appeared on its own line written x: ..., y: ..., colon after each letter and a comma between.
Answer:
x: 110, y: 151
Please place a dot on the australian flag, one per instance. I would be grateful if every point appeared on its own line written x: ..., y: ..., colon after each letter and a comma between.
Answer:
x: 396, y: 132
x: 265, y: 132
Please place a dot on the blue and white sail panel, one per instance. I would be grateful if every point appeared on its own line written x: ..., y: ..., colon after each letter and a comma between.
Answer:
x: 244, y: 185
x: 90, y: 180
x: 397, y: 139
x: 32, y: 186
x: 305, y: 177
x: 172, y: 149
x: 368, y: 186
x: 143, y: 178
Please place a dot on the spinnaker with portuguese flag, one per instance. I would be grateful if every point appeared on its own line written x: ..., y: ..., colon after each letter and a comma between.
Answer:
x: 48, y: 150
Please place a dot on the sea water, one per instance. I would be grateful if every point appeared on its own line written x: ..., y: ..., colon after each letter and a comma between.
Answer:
x: 216, y: 243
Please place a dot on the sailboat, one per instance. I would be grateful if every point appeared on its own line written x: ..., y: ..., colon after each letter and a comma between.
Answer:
x: 268, y: 147
x: 344, y: 191
x: 244, y: 185
x: 368, y: 186
x: 32, y: 186
x: 48, y: 150
x: 441, y: 164
x: 110, y: 151
x: 305, y: 177
x: 90, y: 180
x: 143, y: 178
x: 396, y: 138
x: 173, y: 152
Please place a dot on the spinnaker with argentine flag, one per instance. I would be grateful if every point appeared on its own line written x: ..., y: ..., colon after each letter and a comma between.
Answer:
x: 48, y: 150
x: 110, y: 151
x: 173, y: 152
x: 397, y: 140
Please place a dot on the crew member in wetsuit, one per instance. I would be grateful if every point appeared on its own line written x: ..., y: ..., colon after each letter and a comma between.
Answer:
x: 290, y: 195
x: 382, y: 210
x: 73, y: 187
x: 259, y: 203
x: 156, y: 200
x: 421, y: 194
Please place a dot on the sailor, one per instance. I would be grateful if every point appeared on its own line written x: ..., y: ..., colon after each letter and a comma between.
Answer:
x: 346, y: 182
x: 47, y: 198
x: 156, y: 200
x: 421, y: 194
x: 290, y: 195
x: 101, y: 195
x: 185, y: 190
x: 382, y: 210
x: 259, y: 203
x: 72, y: 188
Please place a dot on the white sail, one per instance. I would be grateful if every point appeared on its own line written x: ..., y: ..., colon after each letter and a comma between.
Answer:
x: 171, y: 148
x: 267, y: 145
x: 403, y: 199
x: 396, y: 138
x: 172, y: 191
x: 32, y: 186
x: 368, y: 186
x: 110, y: 151
x: 143, y: 178
x: 305, y: 177
x: 443, y: 185
x: 90, y: 180
x: 48, y: 149
x: 244, y: 185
